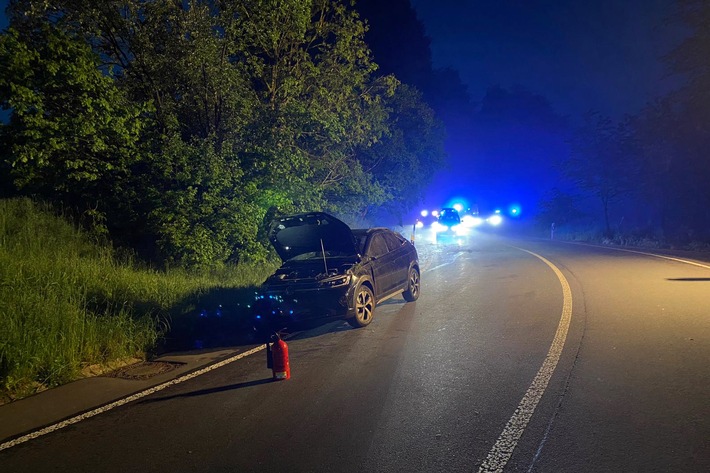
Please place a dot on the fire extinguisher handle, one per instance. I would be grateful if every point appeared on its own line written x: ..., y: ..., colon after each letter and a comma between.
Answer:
x: 269, y: 356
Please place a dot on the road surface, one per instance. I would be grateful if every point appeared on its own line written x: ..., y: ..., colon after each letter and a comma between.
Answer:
x: 526, y: 356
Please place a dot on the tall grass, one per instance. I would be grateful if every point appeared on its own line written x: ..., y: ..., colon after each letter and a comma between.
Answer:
x: 66, y: 302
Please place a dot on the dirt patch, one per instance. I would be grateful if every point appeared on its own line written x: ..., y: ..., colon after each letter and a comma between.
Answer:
x: 103, y: 368
x: 143, y: 370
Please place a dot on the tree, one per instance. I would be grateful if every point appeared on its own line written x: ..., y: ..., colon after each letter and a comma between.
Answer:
x: 72, y: 134
x: 409, y: 153
x: 688, y: 124
x: 247, y: 108
x: 603, y: 162
x: 559, y: 208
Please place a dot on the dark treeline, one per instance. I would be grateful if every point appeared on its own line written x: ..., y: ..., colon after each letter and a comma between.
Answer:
x: 646, y: 174
x: 179, y: 128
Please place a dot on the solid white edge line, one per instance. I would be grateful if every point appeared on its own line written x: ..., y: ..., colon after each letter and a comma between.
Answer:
x: 679, y: 260
x: 126, y: 400
x: 507, y: 441
x: 671, y: 258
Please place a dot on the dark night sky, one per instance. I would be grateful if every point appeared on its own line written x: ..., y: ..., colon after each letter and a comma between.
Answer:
x: 3, y: 17
x: 602, y: 54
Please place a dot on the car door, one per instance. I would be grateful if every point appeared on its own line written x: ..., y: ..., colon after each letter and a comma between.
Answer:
x: 382, y: 264
x: 400, y: 258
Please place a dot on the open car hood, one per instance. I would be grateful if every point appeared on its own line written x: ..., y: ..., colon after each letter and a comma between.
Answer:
x: 313, y: 232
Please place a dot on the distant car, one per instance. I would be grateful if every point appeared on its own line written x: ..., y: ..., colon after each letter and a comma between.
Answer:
x: 448, y: 227
x: 332, y: 271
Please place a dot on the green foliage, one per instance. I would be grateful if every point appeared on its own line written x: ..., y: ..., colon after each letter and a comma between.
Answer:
x: 204, y: 211
x: 191, y: 122
x: 63, y: 301
x: 66, y: 302
x: 71, y: 128
x: 411, y: 151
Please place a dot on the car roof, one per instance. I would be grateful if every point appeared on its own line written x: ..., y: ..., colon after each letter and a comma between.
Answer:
x: 363, y: 231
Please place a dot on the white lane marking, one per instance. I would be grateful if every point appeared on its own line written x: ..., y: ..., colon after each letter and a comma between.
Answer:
x: 121, y: 402
x: 671, y: 258
x: 507, y: 441
x: 679, y: 260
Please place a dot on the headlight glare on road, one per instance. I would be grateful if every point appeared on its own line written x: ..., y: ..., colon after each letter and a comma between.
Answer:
x: 460, y: 230
x: 437, y: 227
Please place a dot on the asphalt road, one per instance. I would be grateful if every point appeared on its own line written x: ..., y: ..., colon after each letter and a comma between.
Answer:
x: 519, y: 355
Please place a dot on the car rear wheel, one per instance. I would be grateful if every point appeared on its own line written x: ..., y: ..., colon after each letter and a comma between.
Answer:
x: 411, y: 294
x: 364, y: 307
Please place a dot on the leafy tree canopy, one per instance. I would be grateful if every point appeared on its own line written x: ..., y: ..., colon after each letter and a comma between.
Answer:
x: 185, y: 124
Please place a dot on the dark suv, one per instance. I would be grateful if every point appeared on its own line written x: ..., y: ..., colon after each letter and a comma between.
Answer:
x: 332, y: 271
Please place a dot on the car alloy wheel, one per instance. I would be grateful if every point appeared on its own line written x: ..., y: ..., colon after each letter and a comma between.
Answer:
x: 411, y: 294
x: 364, y: 307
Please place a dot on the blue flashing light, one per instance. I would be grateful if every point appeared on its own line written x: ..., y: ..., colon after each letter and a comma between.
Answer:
x: 258, y: 316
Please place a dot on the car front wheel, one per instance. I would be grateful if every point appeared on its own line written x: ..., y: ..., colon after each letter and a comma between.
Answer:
x: 364, y: 307
x: 411, y: 294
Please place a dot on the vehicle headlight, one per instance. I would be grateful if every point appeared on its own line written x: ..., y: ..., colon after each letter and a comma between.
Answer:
x: 337, y: 281
x: 471, y: 221
x: 460, y: 229
x: 495, y: 220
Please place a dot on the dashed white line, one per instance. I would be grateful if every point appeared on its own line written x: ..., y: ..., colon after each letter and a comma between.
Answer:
x: 507, y: 441
x: 126, y: 400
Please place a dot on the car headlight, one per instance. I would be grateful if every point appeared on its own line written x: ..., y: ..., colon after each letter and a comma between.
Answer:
x: 495, y: 220
x: 337, y: 281
x: 471, y: 221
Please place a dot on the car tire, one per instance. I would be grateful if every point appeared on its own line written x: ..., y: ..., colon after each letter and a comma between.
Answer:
x: 364, y: 307
x: 411, y: 294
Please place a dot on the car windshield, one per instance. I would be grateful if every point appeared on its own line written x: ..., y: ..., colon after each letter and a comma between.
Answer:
x: 360, y: 240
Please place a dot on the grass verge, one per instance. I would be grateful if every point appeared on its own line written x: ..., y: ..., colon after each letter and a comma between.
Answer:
x: 67, y: 302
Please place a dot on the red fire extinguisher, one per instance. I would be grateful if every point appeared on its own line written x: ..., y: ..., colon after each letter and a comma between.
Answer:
x: 277, y: 359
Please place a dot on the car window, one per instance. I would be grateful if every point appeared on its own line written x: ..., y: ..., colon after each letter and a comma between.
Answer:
x: 360, y: 241
x: 393, y: 242
x: 378, y: 246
